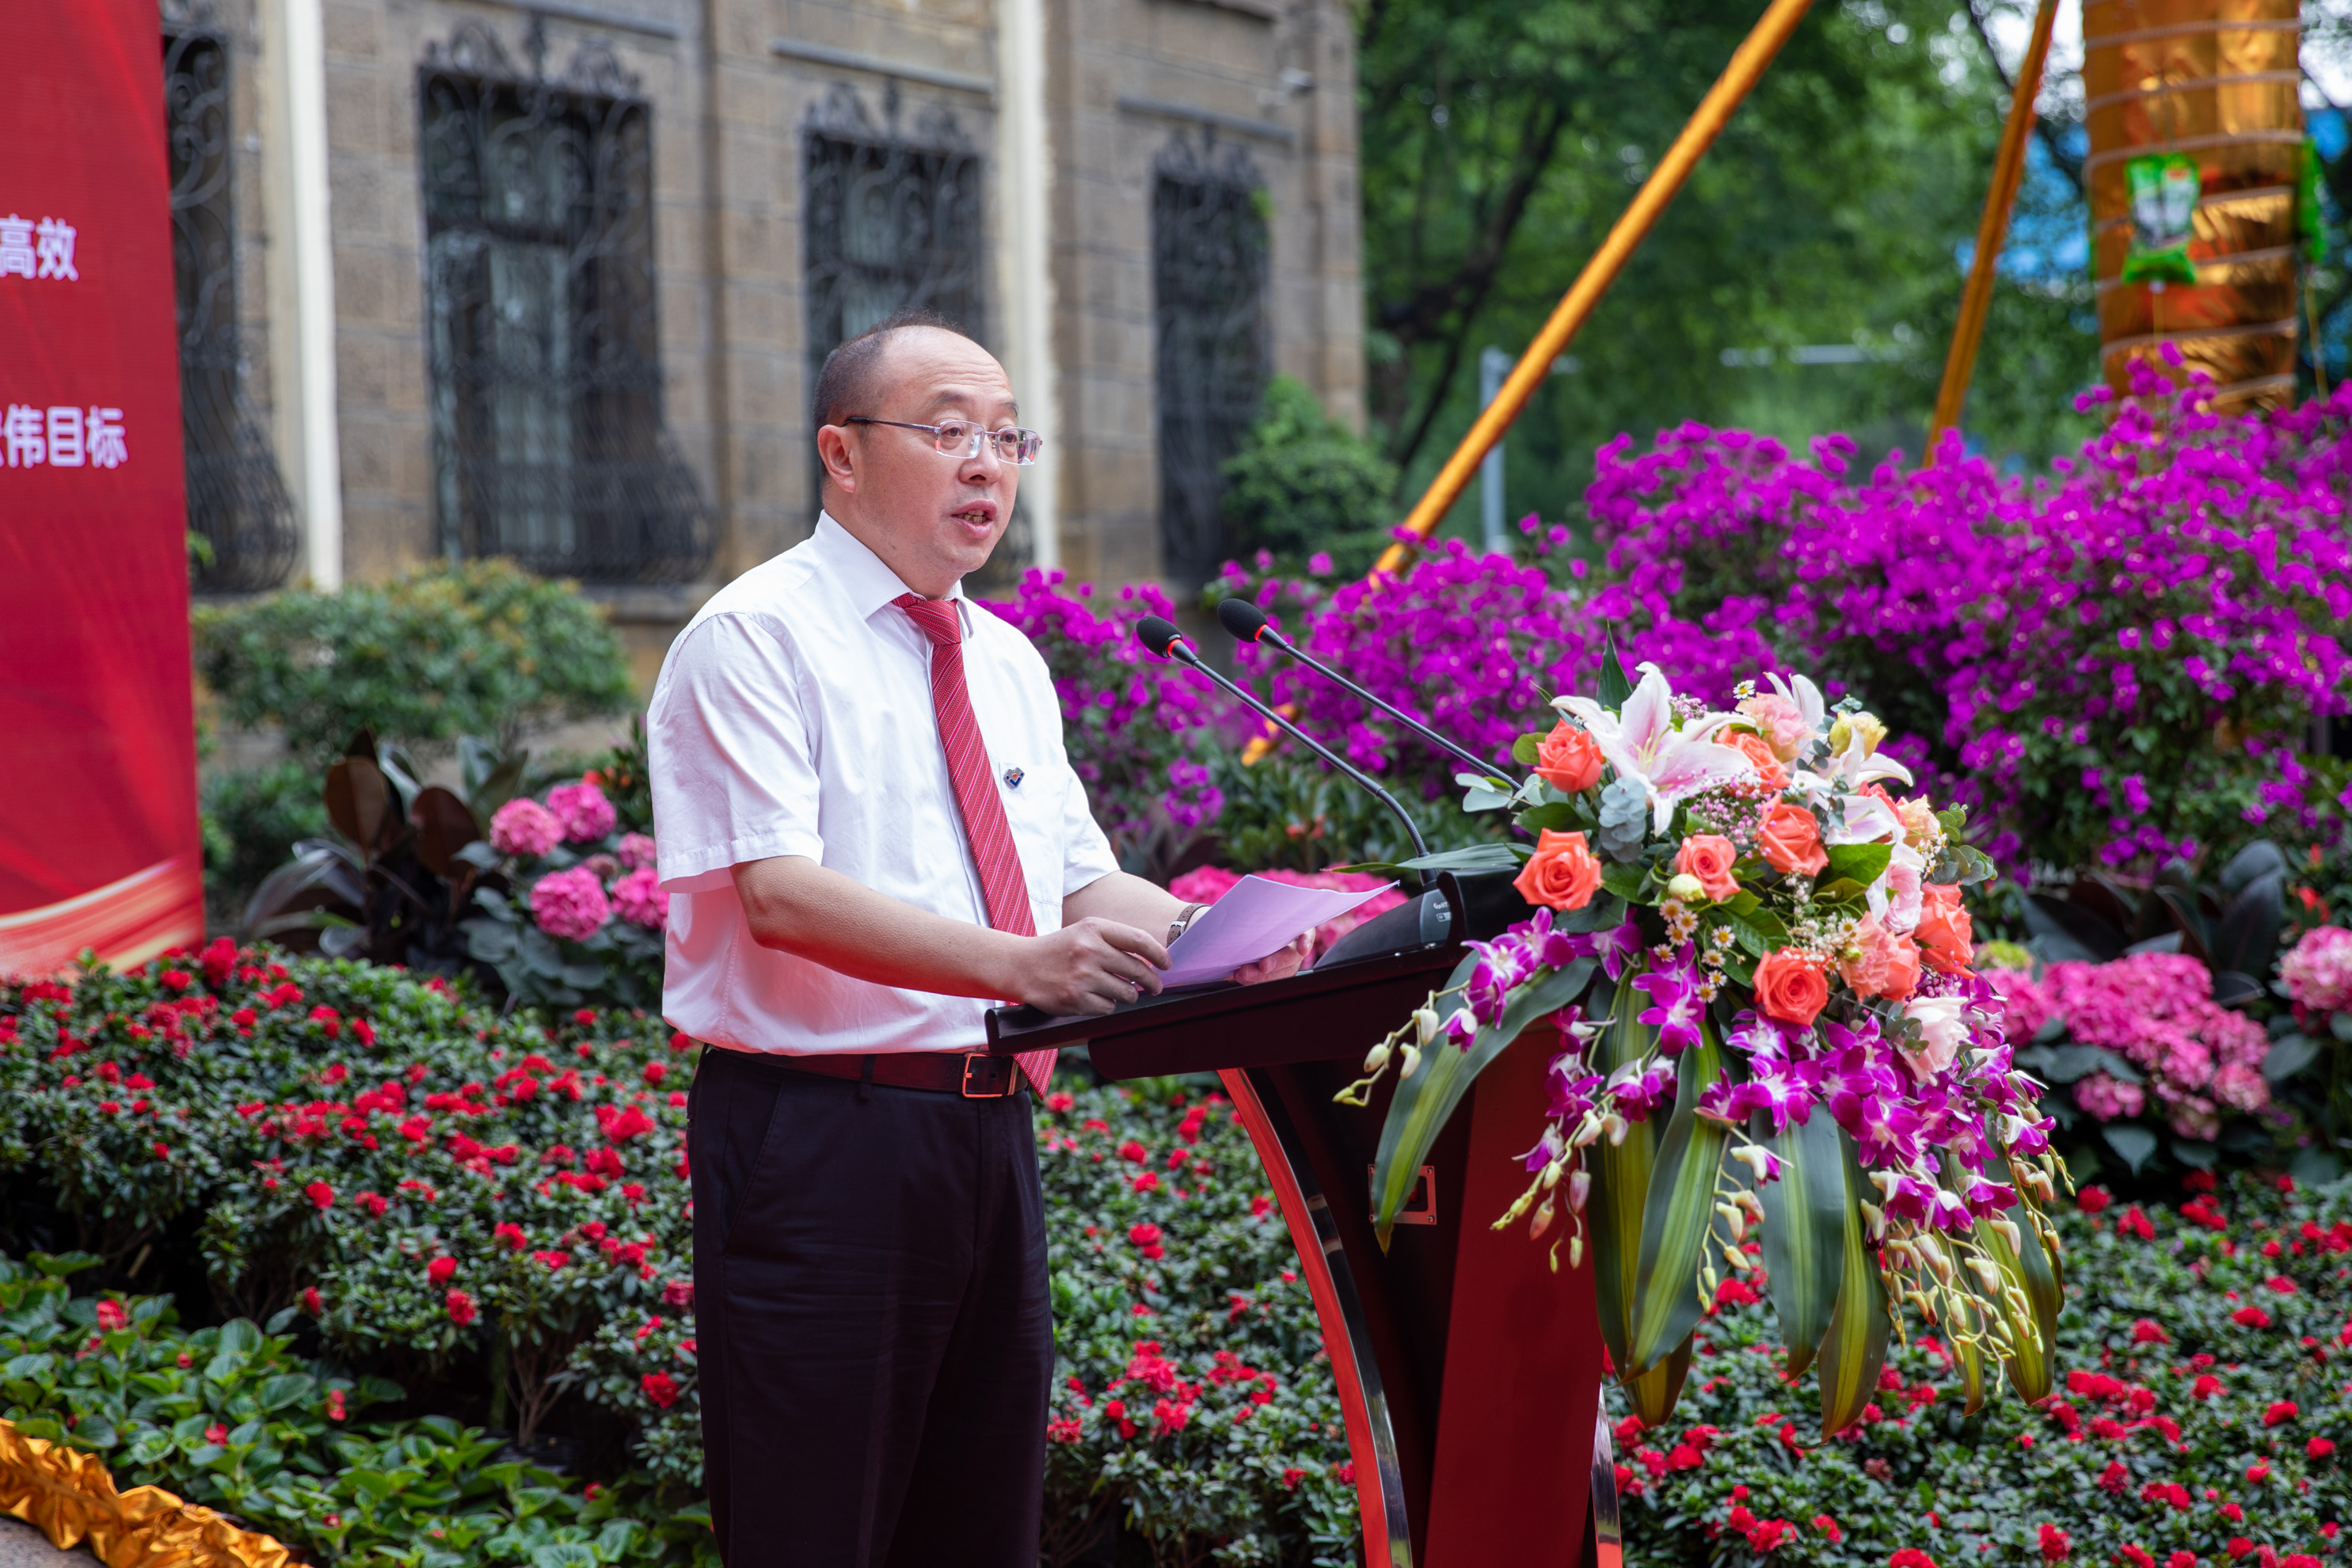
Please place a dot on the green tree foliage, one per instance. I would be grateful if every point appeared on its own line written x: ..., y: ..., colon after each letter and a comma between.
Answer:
x: 485, y: 649
x: 1501, y: 139
x: 1303, y: 482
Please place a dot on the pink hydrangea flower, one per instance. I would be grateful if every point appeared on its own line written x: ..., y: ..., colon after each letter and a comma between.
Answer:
x: 2318, y: 970
x: 524, y: 827
x: 2105, y: 1098
x: 2157, y: 1011
x: 635, y: 849
x: 637, y: 897
x: 570, y: 904
x: 583, y: 810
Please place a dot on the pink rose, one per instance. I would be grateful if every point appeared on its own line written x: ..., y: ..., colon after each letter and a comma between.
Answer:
x: 570, y: 904
x: 583, y: 810
x: 1790, y: 841
x: 523, y: 826
x: 639, y: 899
x: 1709, y: 857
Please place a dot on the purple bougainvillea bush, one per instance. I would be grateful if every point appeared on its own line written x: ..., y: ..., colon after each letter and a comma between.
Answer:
x: 1142, y: 740
x: 2118, y: 661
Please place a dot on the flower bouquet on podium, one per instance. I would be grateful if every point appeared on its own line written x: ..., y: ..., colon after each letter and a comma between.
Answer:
x: 1775, y: 1053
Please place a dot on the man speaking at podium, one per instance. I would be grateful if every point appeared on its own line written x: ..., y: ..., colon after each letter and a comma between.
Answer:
x: 872, y: 833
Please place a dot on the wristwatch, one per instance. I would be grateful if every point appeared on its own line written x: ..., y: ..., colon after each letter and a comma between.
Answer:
x: 1176, y: 927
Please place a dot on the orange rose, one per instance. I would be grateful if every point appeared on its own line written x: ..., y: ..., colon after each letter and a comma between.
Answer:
x: 1790, y: 986
x: 1756, y: 749
x: 1709, y: 856
x: 1569, y: 760
x: 1946, y: 934
x: 1882, y: 963
x: 1790, y: 841
x: 1563, y: 874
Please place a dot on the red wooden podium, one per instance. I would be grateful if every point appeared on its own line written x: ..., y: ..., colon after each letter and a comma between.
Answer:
x: 1469, y: 1371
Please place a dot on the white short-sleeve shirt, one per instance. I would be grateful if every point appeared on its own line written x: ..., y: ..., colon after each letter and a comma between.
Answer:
x: 793, y: 716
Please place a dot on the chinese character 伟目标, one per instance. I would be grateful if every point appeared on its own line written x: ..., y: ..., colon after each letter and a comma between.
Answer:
x: 63, y: 437
x: 53, y: 248
x: 16, y: 246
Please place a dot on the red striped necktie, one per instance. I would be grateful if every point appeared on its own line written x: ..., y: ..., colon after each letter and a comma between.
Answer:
x: 1002, y: 881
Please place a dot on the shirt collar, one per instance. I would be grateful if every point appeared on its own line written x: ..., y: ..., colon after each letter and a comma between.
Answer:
x: 864, y: 576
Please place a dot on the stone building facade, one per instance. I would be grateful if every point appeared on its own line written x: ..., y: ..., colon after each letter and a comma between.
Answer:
x: 551, y: 280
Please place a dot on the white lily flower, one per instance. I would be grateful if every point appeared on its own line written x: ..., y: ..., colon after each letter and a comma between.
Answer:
x: 1641, y: 742
x: 1895, y: 897
x: 1868, y: 820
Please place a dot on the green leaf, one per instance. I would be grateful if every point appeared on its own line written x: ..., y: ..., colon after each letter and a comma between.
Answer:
x: 1804, y: 1230
x: 1560, y: 816
x: 1653, y: 1395
x: 1679, y: 1210
x: 1844, y: 890
x: 1615, y: 688
x: 1423, y: 1101
x: 1620, y: 1184
x: 1862, y: 863
x: 2290, y: 1055
x: 1624, y: 881
x: 1856, y: 1346
x: 284, y: 1389
x: 2134, y: 1143
x: 1757, y: 929
x: 1527, y: 748
x: 62, y: 1264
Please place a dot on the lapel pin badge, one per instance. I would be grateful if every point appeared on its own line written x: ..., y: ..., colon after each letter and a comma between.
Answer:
x: 1013, y: 777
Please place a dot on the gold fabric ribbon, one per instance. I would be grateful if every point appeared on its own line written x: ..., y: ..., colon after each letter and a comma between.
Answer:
x: 69, y: 1495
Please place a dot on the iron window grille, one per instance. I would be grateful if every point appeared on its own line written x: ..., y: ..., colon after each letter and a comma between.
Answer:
x: 1208, y: 249
x: 546, y: 398
x: 893, y: 221
x: 236, y: 499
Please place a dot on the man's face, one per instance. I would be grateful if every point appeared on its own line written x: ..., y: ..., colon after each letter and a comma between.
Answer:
x: 932, y: 516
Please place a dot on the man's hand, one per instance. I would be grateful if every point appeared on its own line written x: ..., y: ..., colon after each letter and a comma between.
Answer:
x: 1091, y: 967
x: 1279, y: 966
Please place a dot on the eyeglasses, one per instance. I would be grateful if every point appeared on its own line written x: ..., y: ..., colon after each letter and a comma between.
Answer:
x: 962, y: 437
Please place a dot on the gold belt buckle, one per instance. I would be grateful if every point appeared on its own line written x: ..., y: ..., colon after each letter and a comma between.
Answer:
x: 1010, y: 1079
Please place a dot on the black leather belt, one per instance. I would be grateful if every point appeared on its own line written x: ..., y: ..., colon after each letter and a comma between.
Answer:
x: 975, y: 1077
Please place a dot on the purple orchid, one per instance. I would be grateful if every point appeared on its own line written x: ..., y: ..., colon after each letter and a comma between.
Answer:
x: 1636, y: 1093
x: 1616, y: 947
x: 1571, y: 1091
x: 1549, y: 1147
x: 1784, y: 1096
x: 1679, y: 1009
x: 1987, y: 1199
x: 1502, y: 965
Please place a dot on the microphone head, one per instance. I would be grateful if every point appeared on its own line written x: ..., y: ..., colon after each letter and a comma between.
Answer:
x: 1159, y: 636
x: 1242, y: 618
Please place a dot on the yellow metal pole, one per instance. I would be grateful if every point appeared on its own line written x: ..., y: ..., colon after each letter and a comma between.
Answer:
x: 1714, y: 111
x: 1992, y: 229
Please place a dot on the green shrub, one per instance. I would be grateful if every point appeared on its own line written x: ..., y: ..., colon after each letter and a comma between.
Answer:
x: 483, y: 650
x: 252, y: 819
x: 1303, y: 483
x: 231, y: 1418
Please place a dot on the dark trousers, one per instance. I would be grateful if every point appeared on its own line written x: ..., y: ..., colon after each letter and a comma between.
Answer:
x: 875, y: 1337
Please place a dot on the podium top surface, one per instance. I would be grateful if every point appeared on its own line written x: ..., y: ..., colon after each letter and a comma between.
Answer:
x: 1012, y: 1030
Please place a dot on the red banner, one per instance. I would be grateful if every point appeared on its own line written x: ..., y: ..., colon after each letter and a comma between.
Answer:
x: 99, y: 845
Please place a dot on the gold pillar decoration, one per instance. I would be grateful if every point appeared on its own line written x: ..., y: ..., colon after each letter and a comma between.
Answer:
x: 2214, y: 81
x: 69, y: 1495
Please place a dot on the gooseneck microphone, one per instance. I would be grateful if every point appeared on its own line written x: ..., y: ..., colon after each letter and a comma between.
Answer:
x: 1163, y: 637
x: 1248, y: 624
